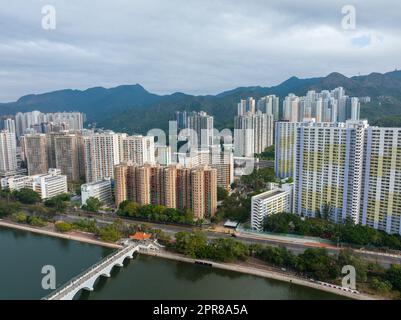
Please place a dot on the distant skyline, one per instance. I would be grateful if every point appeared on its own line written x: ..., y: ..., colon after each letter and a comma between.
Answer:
x: 196, y: 47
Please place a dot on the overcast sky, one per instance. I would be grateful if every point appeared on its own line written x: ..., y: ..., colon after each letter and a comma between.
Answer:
x: 198, y: 47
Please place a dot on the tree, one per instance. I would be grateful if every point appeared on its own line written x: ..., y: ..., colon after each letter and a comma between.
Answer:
x: 92, y: 204
x: 191, y: 244
x: 7, y: 208
x: 227, y: 250
x: 19, y: 217
x: 63, y: 226
x: 36, y: 221
x: 109, y: 233
x: 27, y: 196
x: 222, y: 194
x: 128, y: 208
x: 59, y: 202
x: 267, y: 154
x: 393, y: 275
x: 317, y: 263
x: 345, y: 257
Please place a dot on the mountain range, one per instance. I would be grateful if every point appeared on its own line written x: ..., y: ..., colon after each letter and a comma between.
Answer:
x: 132, y: 109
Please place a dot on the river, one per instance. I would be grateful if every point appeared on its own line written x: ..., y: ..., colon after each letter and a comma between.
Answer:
x: 23, y: 254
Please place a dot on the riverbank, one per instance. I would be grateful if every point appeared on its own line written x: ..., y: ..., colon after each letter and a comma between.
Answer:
x: 264, y: 274
x: 246, y: 269
x: 73, y: 235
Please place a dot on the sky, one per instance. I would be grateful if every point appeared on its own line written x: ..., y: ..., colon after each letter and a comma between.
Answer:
x: 197, y: 47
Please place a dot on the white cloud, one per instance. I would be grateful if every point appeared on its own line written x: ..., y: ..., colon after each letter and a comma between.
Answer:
x: 192, y: 46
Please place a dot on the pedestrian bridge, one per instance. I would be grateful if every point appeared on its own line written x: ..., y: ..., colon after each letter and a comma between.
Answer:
x: 87, y: 279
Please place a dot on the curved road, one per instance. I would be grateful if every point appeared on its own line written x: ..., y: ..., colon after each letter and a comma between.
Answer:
x: 295, y: 245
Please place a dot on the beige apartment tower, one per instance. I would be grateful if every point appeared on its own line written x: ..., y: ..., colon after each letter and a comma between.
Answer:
x: 170, y: 186
x: 35, y: 148
x: 67, y: 156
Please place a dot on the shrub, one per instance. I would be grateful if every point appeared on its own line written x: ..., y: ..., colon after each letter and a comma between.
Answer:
x: 63, y: 226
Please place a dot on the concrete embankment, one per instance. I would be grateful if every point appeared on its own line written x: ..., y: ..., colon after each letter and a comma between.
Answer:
x: 263, y: 273
x: 77, y: 236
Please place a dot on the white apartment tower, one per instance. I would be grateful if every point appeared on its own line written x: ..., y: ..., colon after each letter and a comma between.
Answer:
x: 138, y: 149
x: 9, y: 125
x: 102, y: 153
x: 253, y: 133
x: 285, y: 143
x: 328, y: 170
x: 270, y: 105
x: 381, y: 183
x: 201, y: 128
x: 8, y: 153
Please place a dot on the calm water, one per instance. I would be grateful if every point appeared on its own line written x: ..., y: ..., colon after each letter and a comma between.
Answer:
x: 23, y: 254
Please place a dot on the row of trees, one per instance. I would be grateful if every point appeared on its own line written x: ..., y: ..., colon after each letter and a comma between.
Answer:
x: 347, y: 232
x: 154, y: 213
x: 24, y: 195
x: 110, y: 232
x: 33, y: 220
x: 314, y: 263
x: 196, y: 245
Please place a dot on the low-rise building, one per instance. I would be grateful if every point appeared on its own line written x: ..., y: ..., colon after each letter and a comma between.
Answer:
x: 47, y: 185
x: 270, y: 202
x: 15, y: 183
x: 51, y: 184
x: 100, y: 190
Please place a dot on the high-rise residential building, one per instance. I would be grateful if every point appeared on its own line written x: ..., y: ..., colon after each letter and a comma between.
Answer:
x: 122, y: 183
x: 170, y: 186
x: 35, y: 148
x: 163, y: 155
x: 324, y: 106
x: 9, y: 125
x: 274, y: 201
x: 201, y: 129
x: 244, y: 106
x: 284, y: 145
x: 51, y: 147
x: 381, y: 183
x: 102, y: 153
x: 8, y: 153
x: 328, y: 170
x: 67, y: 155
x: 291, y: 106
x: 253, y: 133
x: 100, y: 190
x: 221, y: 159
x: 71, y: 120
x: 48, y: 122
x: 181, y: 117
x: 138, y: 149
x: 270, y: 105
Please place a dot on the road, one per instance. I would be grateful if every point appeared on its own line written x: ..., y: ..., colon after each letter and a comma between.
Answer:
x: 294, y: 245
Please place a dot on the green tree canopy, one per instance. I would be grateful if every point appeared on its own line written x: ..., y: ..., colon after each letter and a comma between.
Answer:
x: 27, y: 196
x: 92, y: 204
